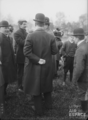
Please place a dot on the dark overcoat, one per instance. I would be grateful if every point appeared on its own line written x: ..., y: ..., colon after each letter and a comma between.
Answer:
x: 38, y: 78
x: 1, y: 74
x: 19, y: 37
x: 80, y: 73
x: 7, y: 58
x: 59, y: 45
x: 1, y: 77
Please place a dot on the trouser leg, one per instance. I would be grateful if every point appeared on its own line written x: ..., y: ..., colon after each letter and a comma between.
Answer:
x: 48, y: 100
x: 1, y: 100
x: 38, y: 104
x: 71, y: 74
x: 71, y: 67
x: 20, y: 71
x: 5, y: 87
x: 66, y: 64
x: 83, y: 98
x: 2, y: 94
x: 57, y: 64
x: 65, y: 74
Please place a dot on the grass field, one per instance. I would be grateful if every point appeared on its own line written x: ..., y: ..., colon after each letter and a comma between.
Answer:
x: 18, y: 105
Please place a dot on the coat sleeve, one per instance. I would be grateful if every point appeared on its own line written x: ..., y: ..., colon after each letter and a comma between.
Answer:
x: 0, y: 45
x: 18, y: 39
x: 0, y: 53
x: 63, y: 49
x: 79, y: 65
x: 28, y: 50
x: 54, y: 48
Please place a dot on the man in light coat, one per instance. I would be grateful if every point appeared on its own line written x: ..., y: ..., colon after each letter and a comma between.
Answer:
x: 38, y: 71
x: 80, y: 73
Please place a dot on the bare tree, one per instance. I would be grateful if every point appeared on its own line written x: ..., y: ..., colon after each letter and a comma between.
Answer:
x: 60, y: 19
x: 10, y: 19
x: 83, y: 20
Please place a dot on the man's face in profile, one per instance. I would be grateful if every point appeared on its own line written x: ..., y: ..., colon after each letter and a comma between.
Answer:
x: 23, y: 25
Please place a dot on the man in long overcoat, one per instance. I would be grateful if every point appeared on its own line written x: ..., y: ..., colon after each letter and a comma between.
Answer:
x: 38, y: 71
x: 20, y: 36
x: 1, y: 88
x: 80, y: 73
x: 7, y: 55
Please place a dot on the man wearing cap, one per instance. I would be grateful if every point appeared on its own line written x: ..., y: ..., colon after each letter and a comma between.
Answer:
x: 38, y: 50
x: 80, y: 73
x: 68, y: 51
x: 7, y: 55
x: 20, y: 36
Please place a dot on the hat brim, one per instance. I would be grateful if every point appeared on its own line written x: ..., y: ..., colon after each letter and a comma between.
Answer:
x: 39, y: 21
x: 4, y: 26
x: 75, y: 34
x: 47, y: 23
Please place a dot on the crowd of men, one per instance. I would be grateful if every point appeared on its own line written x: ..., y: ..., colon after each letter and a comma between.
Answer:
x: 34, y: 60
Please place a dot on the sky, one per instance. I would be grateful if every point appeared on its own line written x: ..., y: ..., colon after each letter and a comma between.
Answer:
x: 27, y: 9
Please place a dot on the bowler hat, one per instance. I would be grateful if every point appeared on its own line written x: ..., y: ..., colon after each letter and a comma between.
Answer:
x: 39, y: 17
x: 47, y: 21
x: 4, y: 24
x: 78, y: 31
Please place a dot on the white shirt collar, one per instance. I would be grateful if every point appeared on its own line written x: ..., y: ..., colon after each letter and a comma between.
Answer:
x: 80, y: 42
x: 3, y: 33
x: 38, y: 28
x: 70, y: 41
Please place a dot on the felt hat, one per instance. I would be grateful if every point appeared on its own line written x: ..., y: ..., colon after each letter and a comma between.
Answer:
x: 78, y: 31
x: 39, y: 17
x: 4, y: 24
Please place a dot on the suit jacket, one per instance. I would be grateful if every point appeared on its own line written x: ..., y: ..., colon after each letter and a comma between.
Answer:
x: 20, y: 36
x: 68, y: 49
x: 7, y: 59
x: 80, y: 73
x: 38, y: 78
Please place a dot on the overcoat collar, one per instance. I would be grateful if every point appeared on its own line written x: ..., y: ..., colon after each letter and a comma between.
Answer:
x: 81, y: 43
x: 39, y: 28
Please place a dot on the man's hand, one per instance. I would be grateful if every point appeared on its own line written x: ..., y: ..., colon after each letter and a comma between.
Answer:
x: 42, y: 61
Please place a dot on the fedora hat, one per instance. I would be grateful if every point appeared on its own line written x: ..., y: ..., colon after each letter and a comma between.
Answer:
x: 39, y: 17
x: 4, y: 24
